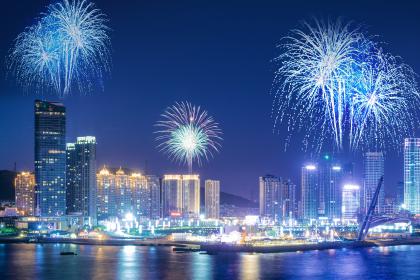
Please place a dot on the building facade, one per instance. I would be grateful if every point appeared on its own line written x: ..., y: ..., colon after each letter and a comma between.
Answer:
x: 191, y: 196
x: 310, y: 192
x: 123, y: 194
x: 270, y: 197
x: 106, y: 195
x: 50, y: 158
x: 181, y: 195
x: 145, y: 196
x: 171, y: 195
x: 373, y: 171
x: 120, y: 195
x: 81, y: 195
x: 412, y: 175
x: 289, y: 205
x: 212, y: 199
x: 351, y: 203
x: 25, y: 193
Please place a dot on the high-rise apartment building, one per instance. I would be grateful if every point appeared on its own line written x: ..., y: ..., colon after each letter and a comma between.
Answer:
x: 50, y: 158
x: 212, y: 199
x: 270, y: 197
x: 25, y: 193
x: 412, y: 175
x: 181, y: 195
x: 123, y: 195
x: 81, y: 193
x: 120, y: 194
x: 191, y: 195
x: 172, y: 195
x: 351, y: 203
x: 153, y: 186
x: 310, y: 192
x: 373, y: 171
x: 145, y: 195
x: 106, y: 192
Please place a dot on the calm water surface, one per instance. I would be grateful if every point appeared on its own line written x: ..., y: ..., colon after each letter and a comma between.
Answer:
x: 35, y: 261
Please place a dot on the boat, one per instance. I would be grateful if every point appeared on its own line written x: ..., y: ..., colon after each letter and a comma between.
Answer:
x: 68, y: 253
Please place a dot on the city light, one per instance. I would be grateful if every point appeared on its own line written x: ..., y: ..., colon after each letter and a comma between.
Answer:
x: 310, y: 167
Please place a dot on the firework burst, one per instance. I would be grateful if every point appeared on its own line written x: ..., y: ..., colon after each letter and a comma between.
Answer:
x: 384, y: 103
x: 188, y: 134
x: 324, y: 83
x: 69, y: 45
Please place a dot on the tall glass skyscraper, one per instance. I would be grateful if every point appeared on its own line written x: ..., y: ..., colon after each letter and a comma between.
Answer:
x: 81, y: 177
x: 330, y: 181
x: 373, y: 171
x: 289, y: 205
x: 50, y: 158
x: 310, y: 191
x: 351, y: 202
x: 412, y: 175
x: 271, y: 197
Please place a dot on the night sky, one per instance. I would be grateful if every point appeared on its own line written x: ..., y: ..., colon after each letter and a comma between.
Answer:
x: 211, y: 53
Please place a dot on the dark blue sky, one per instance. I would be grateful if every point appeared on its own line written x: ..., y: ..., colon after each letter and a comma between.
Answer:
x: 213, y: 53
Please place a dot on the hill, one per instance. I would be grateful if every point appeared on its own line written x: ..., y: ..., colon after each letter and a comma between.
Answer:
x: 7, y: 190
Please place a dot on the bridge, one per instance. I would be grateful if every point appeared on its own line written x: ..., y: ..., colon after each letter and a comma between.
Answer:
x: 373, y: 221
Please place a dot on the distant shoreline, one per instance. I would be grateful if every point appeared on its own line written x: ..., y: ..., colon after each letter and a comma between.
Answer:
x: 217, y: 248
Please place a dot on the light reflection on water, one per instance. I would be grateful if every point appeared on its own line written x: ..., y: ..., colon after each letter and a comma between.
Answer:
x: 36, y: 261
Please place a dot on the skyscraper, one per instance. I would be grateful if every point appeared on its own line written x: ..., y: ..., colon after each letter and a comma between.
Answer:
x: 289, y: 205
x: 123, y: 194
x: 270, y: 197
x: 212, y: 198
x: 181, y: 195
x: 373, y: 171
x: 310, y: 192
x: 120, y: 194
x: 172, y: 195
x: 153, y: 185
x: 50, y: 158
x: 191, y: 196
x: 332, y: 192
x: 25, y: 193
x: 351, y: 202
x: 330, y: 179
x: 412, y: 175
x: 145, y: 195
x: 106, y: 192
x: 140, y: 195
x: 81, y: 177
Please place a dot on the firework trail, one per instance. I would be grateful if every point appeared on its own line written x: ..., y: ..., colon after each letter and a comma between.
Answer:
x: 187, y: 134
x: 324, y: 77
x: 69, y: 45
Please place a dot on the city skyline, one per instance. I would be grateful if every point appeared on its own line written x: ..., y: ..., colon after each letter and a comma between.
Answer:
x: 209, y: 139
x: 127, y: 138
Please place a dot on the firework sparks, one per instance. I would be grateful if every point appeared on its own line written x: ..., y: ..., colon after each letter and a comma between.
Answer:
x: 68, y: 45
x: 384, y: 103
x: 188, y: 134
x: 324, y: 82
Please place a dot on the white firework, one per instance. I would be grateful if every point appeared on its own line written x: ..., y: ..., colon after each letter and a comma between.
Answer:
x: 188, y: 134
x: 68, y: 45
